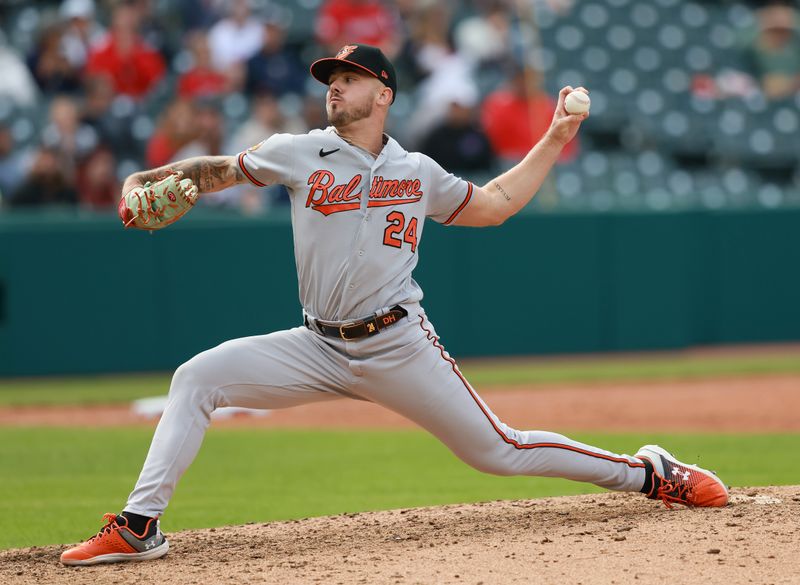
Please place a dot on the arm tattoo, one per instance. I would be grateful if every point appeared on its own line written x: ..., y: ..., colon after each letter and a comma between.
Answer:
x: 502, y: 191
x: 210, y: 173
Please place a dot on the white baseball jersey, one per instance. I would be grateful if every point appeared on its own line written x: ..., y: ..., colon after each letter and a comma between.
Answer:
x: 337, y: 188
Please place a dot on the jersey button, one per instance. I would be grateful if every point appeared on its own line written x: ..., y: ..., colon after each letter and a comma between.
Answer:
x: 361, y: 252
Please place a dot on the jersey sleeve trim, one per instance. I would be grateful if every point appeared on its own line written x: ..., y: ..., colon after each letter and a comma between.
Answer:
x: 462, y: 206
x: 247, y: 173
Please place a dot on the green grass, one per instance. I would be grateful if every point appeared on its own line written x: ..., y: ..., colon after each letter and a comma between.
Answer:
x: 82, y: 390
x: 57, y: 482
x: 115, y: 389
x: 608, y: 368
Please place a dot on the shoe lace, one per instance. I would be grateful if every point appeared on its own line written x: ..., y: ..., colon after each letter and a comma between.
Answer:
x: 670, y: 491
x: 111, y: 524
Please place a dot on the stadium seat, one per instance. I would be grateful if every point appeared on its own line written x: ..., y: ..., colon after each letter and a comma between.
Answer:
x: 747, y: 133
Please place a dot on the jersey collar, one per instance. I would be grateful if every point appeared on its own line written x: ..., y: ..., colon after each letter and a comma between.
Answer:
x: 389, y: 144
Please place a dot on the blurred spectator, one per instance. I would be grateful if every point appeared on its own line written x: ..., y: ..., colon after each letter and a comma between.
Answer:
x: 448, y: 74
x: 484, y: 37
x: 14, y: 162
x: 153, y: 28
x: 114, y: 131
x: 429, y: 36
x: 410, y: 14
x: 50, y: 67
x: 275, y: 68
x: 209, y: 132
x: 174, y: 130
x: 98, y: 97
x: 202, y: 80
x: 773, y: 56
x: 97, y: 183
x: 133, y: 66
x: 16, y: 83
x: 80, y: 33
x: 516, y: 116
x: 458, y: 143
x: 371, y: 22
x: 46, y: 183
x: 235, y: 38
x: 209, y: 141
x: 66, y: 135
x: 265, y: 120
x: 199, y: 14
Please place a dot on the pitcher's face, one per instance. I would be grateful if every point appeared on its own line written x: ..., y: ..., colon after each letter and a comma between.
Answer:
x: 351, y: 96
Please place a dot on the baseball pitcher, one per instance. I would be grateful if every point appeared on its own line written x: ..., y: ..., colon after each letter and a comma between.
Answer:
x: 359, y: 205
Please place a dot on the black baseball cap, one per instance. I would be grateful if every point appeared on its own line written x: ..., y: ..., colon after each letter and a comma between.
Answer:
x: 365, y: 57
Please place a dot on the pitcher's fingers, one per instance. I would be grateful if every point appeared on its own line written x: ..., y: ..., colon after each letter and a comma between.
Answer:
x: 187, y: 184
x: 562, y: 95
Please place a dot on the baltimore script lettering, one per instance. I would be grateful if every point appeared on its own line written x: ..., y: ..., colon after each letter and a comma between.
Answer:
x: 393, y: 192
x: 325, y: 196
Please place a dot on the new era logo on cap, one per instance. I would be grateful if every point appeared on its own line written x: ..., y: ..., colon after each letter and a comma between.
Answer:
x: 364, y: 57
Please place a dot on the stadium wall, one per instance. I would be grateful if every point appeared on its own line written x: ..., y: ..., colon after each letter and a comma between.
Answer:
x: 85, y: 296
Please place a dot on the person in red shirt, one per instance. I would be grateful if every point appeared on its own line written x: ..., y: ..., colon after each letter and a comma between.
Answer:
x: 516, y: 116
x: 133, y: 66
x: 369, y: 22
x: 175, y: 129
x: 202, y: 80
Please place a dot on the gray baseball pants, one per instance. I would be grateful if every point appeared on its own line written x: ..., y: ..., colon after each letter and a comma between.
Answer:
x: 403, y: 368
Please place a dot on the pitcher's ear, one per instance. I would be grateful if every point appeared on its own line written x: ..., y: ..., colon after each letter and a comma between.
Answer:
x: 385, y: 97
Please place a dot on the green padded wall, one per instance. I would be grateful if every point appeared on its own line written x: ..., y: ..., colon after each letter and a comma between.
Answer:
x: 82, y: 295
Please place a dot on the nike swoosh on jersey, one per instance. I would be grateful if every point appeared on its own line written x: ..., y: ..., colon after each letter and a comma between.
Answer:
x: 323, y: 153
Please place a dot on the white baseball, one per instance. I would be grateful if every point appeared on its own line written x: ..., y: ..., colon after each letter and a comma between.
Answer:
x: 577, y: 102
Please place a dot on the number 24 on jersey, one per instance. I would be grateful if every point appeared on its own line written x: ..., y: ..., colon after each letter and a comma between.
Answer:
x: 397, y: 226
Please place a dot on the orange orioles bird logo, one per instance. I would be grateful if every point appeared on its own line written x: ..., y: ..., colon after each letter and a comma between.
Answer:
x: 345, y: 51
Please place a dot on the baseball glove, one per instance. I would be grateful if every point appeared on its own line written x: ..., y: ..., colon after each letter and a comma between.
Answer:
x: 157, y: 205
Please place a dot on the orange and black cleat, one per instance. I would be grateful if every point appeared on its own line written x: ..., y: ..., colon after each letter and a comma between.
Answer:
x: 116, y: 543
x: 674, y: 482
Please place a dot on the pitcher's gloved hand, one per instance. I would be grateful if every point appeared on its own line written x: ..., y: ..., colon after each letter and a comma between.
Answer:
x: 156, y: 205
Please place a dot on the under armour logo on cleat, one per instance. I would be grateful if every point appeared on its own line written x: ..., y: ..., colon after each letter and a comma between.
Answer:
x: 149, y: 545
x: 680, y: 473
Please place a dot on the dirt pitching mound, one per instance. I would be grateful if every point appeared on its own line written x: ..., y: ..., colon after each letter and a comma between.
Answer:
x: 607, y: 538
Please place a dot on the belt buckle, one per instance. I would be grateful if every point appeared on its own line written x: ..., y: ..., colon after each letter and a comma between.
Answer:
x: 341, y: 329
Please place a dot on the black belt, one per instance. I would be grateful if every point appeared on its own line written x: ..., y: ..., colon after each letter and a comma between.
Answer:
x: 366, y: 327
